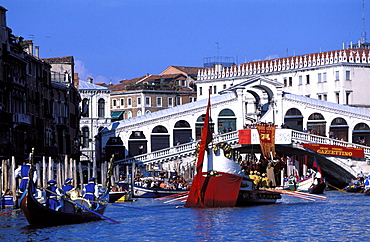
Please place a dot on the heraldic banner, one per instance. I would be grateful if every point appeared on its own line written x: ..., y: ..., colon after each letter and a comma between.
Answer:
x: 267, y: 139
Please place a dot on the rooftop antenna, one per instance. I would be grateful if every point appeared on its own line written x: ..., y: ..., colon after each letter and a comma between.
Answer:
x: 218, y: 50
x: 363, y: 34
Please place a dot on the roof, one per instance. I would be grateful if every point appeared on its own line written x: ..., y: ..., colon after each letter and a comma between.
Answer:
x: 191, y: 71
x: 59, y: 60
x: 90, y: 86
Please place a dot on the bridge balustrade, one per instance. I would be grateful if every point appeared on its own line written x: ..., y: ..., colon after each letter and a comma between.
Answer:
x: 232, y: 138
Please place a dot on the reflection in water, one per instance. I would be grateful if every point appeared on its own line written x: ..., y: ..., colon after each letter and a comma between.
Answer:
x: 341, y: 217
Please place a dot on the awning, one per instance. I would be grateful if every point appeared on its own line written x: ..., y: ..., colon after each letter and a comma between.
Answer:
x: 116, y: 114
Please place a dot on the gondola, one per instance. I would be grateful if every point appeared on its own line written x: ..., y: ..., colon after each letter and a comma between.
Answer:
x: 72, y: 211
x: 317, y: 189
x: 353, y: 188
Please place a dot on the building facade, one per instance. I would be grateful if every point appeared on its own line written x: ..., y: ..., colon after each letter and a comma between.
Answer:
x: 334, y: 76
x: 36, y: 110
x: 131, y: 98
x: 95, y: 115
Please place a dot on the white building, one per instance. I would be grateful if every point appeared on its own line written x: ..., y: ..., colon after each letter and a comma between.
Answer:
x: 335, y: 76
x: 95, y: 115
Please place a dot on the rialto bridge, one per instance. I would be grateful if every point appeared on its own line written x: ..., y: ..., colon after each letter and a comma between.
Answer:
x: 165, y: 138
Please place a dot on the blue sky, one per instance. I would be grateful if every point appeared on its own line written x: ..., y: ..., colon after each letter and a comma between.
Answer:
x: 113, y: 40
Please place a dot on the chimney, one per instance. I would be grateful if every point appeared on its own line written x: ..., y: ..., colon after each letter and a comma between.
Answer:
x: 90, y: 80
x: 30, y: 47
x: 37, y: 50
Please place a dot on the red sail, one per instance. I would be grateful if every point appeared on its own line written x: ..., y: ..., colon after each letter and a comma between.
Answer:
x: 196, y: 196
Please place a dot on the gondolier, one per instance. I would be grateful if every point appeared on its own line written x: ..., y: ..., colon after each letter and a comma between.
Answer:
x: 22, y: 172
x: 91, y: 190
x: 52, y: 193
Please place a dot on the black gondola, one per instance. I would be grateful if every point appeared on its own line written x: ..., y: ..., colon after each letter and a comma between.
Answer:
x: 317, y: 189
x: 354, y: 189
x: 72, y: 211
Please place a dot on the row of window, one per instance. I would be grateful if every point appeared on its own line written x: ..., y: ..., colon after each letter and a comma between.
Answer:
x: 321, y: 77
x: 85, y: 108
x: 159, y: 101
x: 212, y: 89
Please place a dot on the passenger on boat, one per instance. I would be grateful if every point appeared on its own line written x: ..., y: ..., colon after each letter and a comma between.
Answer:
x: 361, y: 177
x: 316, y: 178
x: 257, y: 179
x: 22, y: 172
x: 91, y: 190
x: 52, y: 193
x: 265, y: 182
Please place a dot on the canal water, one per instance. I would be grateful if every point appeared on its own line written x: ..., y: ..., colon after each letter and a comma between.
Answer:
x: 342, y: 217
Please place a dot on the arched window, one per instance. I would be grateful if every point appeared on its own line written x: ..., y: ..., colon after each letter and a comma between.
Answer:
x: 147, y: 112
x: 85, y: 137
x: 139, y: 113
x: 129, y: 114
x: 85, y: 108
x: 101, y: 110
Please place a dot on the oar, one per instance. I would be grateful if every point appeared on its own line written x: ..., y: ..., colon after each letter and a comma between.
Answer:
x: 175, y: 199
x: 291, y: 194
x: 120, y: 205
x: 6, y: 212
x: 310, y: 195
x: 92, y: 211
x: 105, y: 217
x: 172, y: 196
x: 358, y: 192
x: 337, y: 188
x: 296, y: 195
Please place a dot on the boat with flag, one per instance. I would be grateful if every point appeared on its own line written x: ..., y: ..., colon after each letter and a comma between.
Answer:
x: 71, y: 212
x: 220, y: 180
x: 313, y: 183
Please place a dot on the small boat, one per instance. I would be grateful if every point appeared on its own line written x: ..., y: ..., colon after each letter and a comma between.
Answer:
x: 314, y: 184
x: 145, y: 192
x: 72, y: 211
x: 7, y: 200
x: 317, y: 189
x: 353, y: 188
x: 120, y: 190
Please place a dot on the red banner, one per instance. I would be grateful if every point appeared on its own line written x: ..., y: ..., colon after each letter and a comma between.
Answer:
x: 335, y: 150
x: 267, y: 139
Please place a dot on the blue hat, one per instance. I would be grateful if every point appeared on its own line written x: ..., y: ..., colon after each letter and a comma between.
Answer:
x: 68, y: 180
x: 92, y: 179
x: 52, y: 182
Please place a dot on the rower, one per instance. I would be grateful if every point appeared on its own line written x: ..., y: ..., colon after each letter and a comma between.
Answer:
x: 52, y: 193
x: 22, y: 172
x: 367, y: 183
x: 68, y: 189
x: 91, y: 190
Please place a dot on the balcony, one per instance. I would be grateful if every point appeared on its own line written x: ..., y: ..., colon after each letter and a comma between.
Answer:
x: 21, y: 118
x: 62, y: 121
